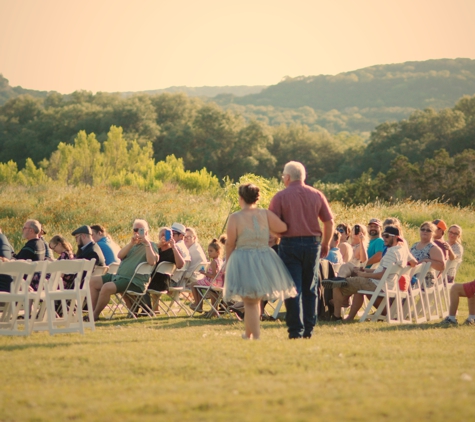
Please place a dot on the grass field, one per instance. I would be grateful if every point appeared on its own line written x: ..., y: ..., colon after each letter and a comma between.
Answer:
x: 194, y: 369
x: 197, y: 369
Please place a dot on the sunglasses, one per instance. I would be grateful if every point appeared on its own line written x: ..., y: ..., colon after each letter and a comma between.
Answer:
x: 454, y: 233
x: 52, y: 246
x: 136, y: 230
x: 426, y: 230
x: 340, y: 231
x: 387, y: 236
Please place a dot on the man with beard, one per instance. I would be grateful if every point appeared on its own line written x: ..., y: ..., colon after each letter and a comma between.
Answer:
x: 376, y: 243
x: 87, y: 248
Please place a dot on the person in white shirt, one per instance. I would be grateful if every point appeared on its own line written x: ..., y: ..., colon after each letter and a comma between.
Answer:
x: 178, y: 232
x: 198, y: 256
x: 368, y: 279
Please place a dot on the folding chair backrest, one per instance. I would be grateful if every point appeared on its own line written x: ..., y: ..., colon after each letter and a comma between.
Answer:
x: 58, y: 268
x: 113, y: 267
x: 100, y: 270
x: 18, y: 270
x: 165, y: 268
x: 20, y: 295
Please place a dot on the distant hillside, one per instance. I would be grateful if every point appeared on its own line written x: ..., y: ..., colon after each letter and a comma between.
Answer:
x: 432, y: 83
x: 7, y: 92
x: 206, y: 91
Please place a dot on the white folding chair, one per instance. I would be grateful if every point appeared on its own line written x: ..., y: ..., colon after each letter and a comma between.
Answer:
x: 141, y: 269
x: 404, y: 297
x: 442, y: 287
x: 70, y: 318
x: 218, y: 307
x: 113, y: 267
x: 431, y: 300
x: 416, y: 299
x: 387, y: 289
x: 21, y: 297
x: 100, y: 270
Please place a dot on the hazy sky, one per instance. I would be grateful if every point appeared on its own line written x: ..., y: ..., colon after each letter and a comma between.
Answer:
x: 125, y: 45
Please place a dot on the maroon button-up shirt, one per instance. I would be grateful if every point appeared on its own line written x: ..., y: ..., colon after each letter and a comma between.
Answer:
x: 300, y: 206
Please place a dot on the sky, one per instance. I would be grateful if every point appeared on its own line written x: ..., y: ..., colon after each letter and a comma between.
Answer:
x: 124, y: 45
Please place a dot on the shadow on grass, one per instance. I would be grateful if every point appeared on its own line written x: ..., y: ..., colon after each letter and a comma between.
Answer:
x: 13, y: 347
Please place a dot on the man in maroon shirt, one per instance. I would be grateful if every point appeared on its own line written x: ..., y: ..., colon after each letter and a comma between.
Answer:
x: 300, y: 206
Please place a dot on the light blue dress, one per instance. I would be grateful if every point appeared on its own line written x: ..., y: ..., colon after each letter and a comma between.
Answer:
x: 254, y: 270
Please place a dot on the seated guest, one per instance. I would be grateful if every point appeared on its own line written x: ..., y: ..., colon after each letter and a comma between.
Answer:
x: 359, y: 244
x: 139, y: 249
x: 456, y: 249
x: 63, y: 248
x: 213, y: 274
x: 427, y: 251
x: 168, y: 252
x: 376, y: 243
x: 438, y: 237
x: 6, y: 251
x: 87, y: 248
x: 367, y: 279
x: 334, y: 254
x: 109, y: 248
x: 345, y: 248
x: 33, y: 250
x: 196, y: 253
x: 179, y: 232
x: 456, y: 292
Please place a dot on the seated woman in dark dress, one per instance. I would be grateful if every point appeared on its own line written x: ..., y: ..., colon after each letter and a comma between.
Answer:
x: 168, y: 252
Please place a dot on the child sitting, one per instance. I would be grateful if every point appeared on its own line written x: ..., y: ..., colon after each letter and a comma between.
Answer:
x: 213, y: 274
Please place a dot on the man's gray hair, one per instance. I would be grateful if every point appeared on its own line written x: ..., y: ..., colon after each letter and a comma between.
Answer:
x: 295, y: 170
x: 142, y: 222
x: 35, y: 225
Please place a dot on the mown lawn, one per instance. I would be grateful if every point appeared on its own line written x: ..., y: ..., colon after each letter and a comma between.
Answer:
x: 197, y: 369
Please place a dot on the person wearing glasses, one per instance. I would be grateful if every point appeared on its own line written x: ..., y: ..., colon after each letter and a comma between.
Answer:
x: 427, y: 251
x: 87, y: 248
x: 33, y: 250
x: 139, y: 249
x: 345, y: 248
x: 368, y: 278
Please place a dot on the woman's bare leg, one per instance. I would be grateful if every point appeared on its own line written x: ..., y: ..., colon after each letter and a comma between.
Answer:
x: 252, y: 318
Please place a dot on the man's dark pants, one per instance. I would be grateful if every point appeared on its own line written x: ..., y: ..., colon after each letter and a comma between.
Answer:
x: 300, y: 255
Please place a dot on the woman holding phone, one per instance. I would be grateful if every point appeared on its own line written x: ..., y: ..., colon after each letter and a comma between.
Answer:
x: 168, y: 252
x: 359, y: 244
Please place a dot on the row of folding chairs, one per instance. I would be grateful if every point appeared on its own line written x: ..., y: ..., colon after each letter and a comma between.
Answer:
x: 422, y: 302
x: 51, y: 307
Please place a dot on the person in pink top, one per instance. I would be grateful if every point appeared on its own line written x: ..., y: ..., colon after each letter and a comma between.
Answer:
x: 213, y: 274
x: 301, y: 207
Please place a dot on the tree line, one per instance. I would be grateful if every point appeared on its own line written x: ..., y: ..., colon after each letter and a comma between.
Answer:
x: 205, y: 136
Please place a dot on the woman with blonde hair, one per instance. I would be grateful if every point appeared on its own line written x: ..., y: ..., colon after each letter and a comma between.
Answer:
x: 455, y: 250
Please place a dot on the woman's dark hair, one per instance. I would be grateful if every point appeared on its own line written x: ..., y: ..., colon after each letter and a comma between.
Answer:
x: 98, y: 228
x: 218, y: 245
x: 249, y: 192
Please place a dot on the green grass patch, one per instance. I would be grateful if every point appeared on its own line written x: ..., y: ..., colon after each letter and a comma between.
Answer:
x: 197, y: 369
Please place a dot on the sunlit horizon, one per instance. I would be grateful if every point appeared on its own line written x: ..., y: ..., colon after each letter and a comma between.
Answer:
x: 119, y: 46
